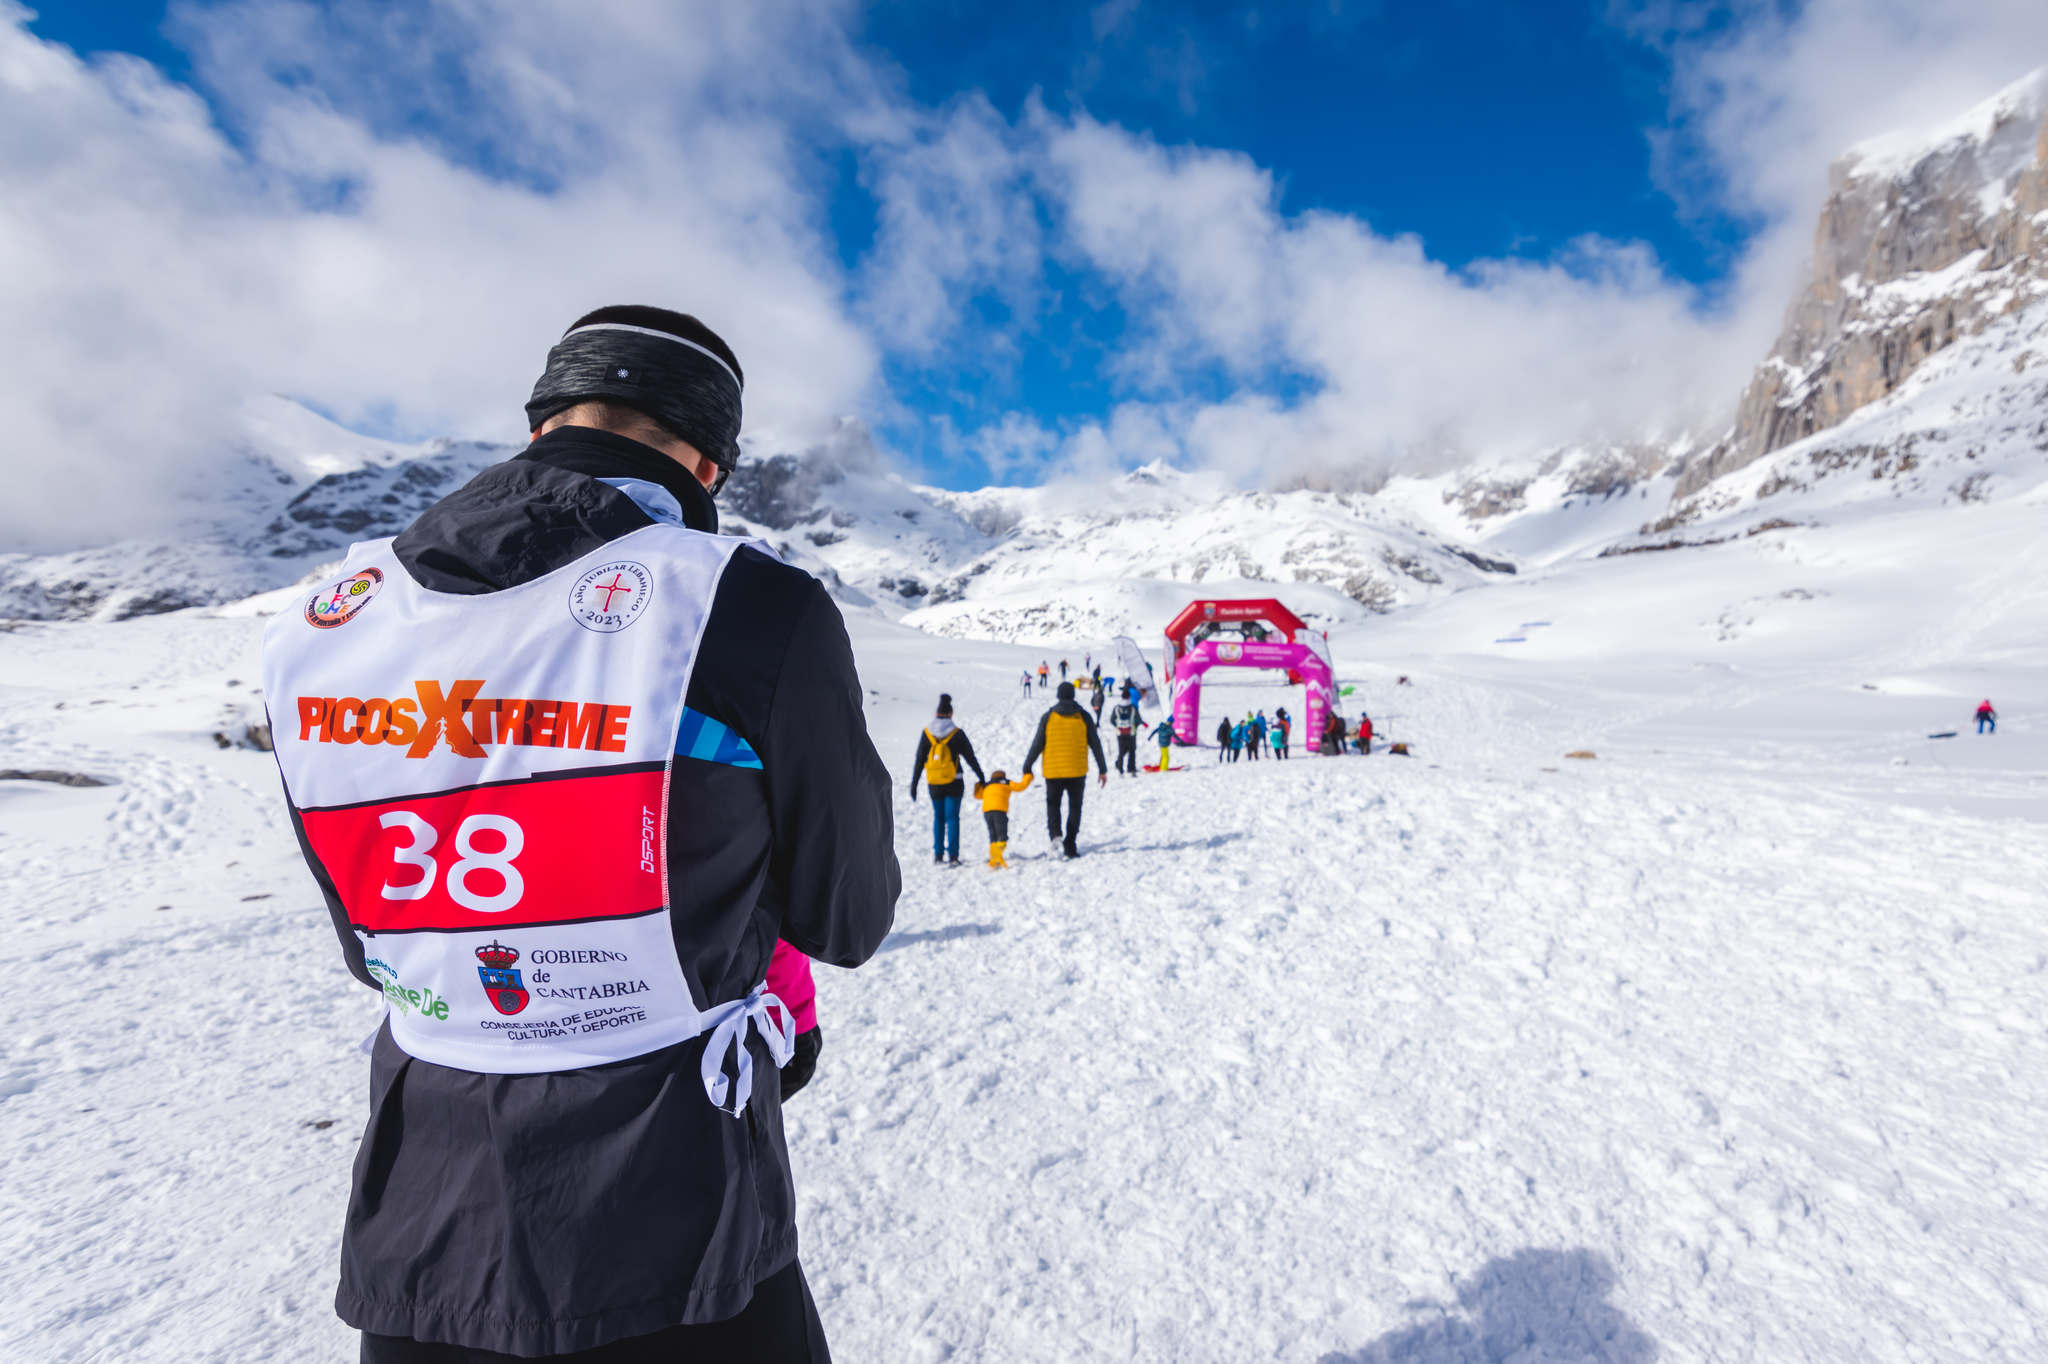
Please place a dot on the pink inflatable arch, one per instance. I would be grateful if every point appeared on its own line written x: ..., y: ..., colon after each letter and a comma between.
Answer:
x: 1227, y: 653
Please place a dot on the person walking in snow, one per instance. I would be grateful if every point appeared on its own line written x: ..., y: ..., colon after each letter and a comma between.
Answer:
x: 1223, y: 740
x: 1987, y: 719
x: 994, y: 795
x: 1125, y: 720
x: 1364, y: 733
x: 1281, y: 726
x: 581, y: 1156
x: 1096, y: 674
x: 1063, y: 670
x: 942, y: 749
x: 1065, y: 738
x: 1095, y: 699
x: 1163, y: 735
x: 1331, y: 744
x: 1027, y: 682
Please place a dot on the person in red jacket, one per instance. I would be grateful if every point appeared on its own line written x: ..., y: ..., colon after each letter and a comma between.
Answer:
x: 1365, y: 734
x: 1987, y: 719
x: 789, y: 980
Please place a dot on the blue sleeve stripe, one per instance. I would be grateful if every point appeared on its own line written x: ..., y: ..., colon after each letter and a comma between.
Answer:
x: 705, y: 739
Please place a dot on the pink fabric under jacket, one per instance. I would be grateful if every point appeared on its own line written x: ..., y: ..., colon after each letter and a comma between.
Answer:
x: 789, y: 980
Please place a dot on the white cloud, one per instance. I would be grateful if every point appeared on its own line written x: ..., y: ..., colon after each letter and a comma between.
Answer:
x: 160, y: 271
x: 1403, y: 355
x: 954, y: 218
x: 392, y: 212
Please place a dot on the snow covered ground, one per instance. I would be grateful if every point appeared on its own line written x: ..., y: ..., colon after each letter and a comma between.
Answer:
x: 1727, y: 1044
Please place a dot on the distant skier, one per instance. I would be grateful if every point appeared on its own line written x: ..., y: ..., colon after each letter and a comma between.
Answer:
x: 1027, y: 681
x: 1043, y: 671
x: 1063, y: 670
x: 1163, y: 735
x: 994, y: 795
x: 1223, y: 728
x: 1124, y: 718
x: 1987, y: 719
x: 1066, y: 737
x: 941, y: 749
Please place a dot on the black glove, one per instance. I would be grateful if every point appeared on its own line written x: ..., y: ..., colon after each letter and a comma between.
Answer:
x: 803, y: 1065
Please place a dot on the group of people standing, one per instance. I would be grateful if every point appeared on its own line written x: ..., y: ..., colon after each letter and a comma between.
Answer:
x: 1255, y: 734
x: 1250, y: 736
x: 1337, y: 736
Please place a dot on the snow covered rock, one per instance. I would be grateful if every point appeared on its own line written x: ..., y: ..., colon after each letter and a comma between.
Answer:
x: 1923, y: 240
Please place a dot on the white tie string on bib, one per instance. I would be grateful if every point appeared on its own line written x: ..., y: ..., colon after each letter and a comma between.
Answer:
x: 730, y: 1035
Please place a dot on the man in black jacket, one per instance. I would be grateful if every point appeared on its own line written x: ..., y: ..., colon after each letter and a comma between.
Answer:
x: 1066, y: 736
x: 537, y: 1210
x: 1126, y: 720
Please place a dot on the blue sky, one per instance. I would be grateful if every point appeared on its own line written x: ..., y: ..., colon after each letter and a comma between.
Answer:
x: 1487, y: 130
x: 1018, y: 242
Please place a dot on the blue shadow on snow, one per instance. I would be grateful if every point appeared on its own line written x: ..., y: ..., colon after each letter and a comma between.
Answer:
x: 947, y: 934
x: 1547, y: 1305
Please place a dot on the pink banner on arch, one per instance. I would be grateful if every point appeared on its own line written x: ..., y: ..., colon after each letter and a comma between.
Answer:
x: 1189, y: 670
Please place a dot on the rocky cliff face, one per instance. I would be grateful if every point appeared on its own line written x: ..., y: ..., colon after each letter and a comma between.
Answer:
x: 1922, y: 241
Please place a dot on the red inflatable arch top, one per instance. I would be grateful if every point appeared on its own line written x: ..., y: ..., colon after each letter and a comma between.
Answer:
x: 1200, y: 613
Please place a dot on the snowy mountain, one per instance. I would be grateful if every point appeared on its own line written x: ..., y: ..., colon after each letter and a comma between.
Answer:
x: 1907, y: 374
x: 1925, y: 240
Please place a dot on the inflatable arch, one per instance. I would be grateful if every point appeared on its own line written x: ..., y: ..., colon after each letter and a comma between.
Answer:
x: 1187, y: 662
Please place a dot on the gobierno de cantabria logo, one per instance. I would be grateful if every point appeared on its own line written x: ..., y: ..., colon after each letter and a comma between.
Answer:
x: 612, y: 596
x: 502, y: 985
x: 338, y: 604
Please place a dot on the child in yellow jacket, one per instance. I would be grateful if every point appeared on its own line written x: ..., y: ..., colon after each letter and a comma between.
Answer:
x: 994, y: 795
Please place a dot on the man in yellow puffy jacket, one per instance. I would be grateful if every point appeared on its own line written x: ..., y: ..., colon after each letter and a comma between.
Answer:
x: 1066, y: 736
x: 994, y: 795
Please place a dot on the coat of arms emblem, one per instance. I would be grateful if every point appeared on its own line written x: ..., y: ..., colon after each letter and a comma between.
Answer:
x: 502, y: 985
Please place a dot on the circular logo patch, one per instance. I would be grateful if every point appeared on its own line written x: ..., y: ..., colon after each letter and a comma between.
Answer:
x: 338, y: 604
x: 610, y: 598
x: 1229, y: 653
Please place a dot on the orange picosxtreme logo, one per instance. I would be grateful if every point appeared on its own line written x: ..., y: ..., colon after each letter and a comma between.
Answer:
x: 458, y: 716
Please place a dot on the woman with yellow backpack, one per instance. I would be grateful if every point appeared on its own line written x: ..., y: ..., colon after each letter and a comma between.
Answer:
x: 941, y: 751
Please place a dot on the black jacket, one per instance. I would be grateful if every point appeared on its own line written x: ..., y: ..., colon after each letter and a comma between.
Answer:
x: 963, y: 756
x: 542, y: 1214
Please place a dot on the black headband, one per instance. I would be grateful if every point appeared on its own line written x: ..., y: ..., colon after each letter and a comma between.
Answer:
x: 685, y: 387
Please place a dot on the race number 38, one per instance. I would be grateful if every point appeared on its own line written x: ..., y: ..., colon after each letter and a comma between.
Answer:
x: 419, y: 853
x: 549, y: 851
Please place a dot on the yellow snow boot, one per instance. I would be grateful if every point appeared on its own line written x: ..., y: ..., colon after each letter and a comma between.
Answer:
x: 995, y: 855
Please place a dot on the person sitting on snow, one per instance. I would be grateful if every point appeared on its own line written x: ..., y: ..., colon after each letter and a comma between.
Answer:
x: 1987, y: 719
x: 994, y: 795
